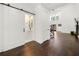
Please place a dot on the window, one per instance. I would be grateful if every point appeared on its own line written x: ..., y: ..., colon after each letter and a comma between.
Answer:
x: 29, y: 22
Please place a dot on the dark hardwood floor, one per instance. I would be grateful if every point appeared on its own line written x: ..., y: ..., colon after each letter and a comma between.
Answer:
x: 32, y: 48
x: 62, y: 44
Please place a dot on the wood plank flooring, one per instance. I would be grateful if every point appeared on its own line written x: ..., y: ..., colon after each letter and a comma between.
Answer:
x: 62, y: 44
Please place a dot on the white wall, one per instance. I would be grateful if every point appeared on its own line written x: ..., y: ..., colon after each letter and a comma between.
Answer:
x: 12, y: 25
x: 66, y: 18
x: 11, y: 28
x: 77, y: 10
x: 42, y: 23
x: 1, y: 28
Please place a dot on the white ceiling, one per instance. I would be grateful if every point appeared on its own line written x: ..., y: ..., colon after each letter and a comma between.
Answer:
x: 47, y: 5
x: 31, y: 6
x: 53, y: 5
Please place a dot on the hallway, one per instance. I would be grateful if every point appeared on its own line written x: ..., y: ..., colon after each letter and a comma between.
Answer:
x: 62, y: 45
x: 26, y: 28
